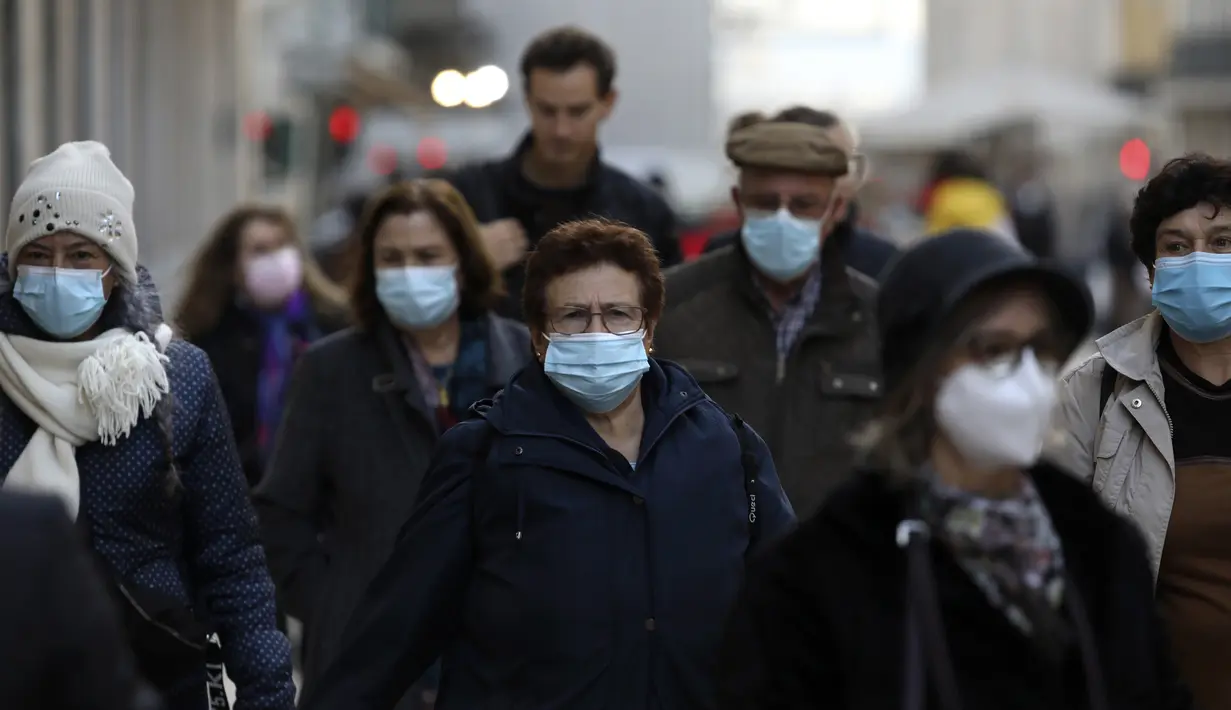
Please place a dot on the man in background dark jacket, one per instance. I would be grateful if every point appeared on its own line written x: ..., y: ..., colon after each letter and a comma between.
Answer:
x: 864, y: 251
x: 777, y: 328
x: 556, y: 173
x: 60, y: 644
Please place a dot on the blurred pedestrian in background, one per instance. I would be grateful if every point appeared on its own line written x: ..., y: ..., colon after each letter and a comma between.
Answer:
x: 578, y: 542
x: 1032, y: 206
x: 1145, y: 418
x: 556, y: 173
x: 89, y: 374
x: 368, y: 405
x: 778, y: 328
x: 1007, y: 583
x: 959, y: 194
x: 255, y: 300
x: 863, y: 251
x: 61, y: 646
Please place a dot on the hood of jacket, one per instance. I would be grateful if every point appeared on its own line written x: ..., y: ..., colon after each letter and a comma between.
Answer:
x: 137, y: 309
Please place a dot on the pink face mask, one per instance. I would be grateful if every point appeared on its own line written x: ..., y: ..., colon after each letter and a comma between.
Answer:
x: 270, y: 279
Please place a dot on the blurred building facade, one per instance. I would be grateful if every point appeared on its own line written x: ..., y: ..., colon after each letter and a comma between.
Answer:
x: 159, y: 81
x: 1059, y: 36
x: 1197, y: 79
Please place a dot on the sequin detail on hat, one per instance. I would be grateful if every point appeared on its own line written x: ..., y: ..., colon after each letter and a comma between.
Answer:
x: 110, y: 226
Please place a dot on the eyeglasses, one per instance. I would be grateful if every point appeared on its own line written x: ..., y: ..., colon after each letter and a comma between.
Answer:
x: 618, y: 320
x: 1003, y: 351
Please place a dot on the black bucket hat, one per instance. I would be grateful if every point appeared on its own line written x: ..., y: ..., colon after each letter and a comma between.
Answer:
x: 925, y: 283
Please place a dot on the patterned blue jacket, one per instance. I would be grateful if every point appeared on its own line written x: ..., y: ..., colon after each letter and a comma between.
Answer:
x: 195, y: 540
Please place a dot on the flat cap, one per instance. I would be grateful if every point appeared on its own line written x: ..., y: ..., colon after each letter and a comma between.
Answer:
x: 786, y: 145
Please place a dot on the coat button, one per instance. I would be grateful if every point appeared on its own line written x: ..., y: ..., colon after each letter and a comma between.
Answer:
x: 838, y: 383
x: 873, y: 386
x: 1136, y: 404
x: 683, y: 393
x: 650, y: 624
x: 518, y: 451
x: 638, y: 500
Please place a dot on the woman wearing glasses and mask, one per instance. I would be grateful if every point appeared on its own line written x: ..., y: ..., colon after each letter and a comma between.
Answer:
x: 578, y: 542
x: 366, y: 406
x: 958, y: 571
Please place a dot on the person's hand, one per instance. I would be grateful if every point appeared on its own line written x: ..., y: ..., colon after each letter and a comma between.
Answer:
x: 505, y: 241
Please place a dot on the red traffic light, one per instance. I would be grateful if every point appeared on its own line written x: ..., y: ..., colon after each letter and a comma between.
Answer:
x: 344, y: 124
x: 1135, y: 159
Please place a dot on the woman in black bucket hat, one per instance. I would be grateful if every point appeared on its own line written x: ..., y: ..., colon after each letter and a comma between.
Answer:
x: 958, y: 570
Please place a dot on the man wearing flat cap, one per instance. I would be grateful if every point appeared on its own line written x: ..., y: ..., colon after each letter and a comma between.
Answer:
x: 776, y: 328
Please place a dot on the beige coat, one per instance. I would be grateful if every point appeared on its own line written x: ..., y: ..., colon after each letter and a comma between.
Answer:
x: 1123, y: 450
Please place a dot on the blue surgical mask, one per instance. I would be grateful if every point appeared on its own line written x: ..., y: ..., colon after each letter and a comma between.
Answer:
x: 64, y: 303
x: 1193, y: 294
x: 418, y: 296
x: 596, y: 371
x: 781, y: 245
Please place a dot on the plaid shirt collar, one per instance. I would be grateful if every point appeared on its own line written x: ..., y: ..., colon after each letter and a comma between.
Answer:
x: 789, y: 320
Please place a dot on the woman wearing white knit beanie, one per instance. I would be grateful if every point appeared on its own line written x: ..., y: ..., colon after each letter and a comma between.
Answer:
x: 102, y: 407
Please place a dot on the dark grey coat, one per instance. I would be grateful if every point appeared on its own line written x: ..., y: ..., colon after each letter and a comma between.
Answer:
x: 354, y: 444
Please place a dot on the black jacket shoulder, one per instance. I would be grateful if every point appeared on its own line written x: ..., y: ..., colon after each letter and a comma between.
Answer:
x: 715, y: 269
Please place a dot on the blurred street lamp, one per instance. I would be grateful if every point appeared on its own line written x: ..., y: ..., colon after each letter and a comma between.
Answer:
x: 485, y: 86
x: 478, y: 89
x: 449, y: 88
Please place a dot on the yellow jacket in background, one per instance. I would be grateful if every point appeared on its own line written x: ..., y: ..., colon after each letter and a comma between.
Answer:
x: 970, y: 203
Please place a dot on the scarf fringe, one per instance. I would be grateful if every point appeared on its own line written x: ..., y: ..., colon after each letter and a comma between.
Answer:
x: 122, y: 383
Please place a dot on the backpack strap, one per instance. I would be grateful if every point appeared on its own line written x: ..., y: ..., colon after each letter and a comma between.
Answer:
x: 1107, y: 386
x: 748, y: 461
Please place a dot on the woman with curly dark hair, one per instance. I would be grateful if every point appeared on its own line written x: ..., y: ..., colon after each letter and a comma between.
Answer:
x: 101, y: 406
x: 255, y: 301
x: 1145, y: 418
x: 367, y: 405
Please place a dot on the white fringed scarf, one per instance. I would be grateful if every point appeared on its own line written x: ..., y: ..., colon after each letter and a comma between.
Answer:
x: 77, y: 392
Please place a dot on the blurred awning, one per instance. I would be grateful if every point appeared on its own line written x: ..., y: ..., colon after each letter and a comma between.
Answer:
x: 957, y: 109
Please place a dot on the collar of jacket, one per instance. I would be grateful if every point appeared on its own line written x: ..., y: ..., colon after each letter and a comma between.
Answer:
x: 503, y: 356
x: 512, y: 169
x: 873, y: 503
x: 1132, y: 349
x: 532, y: 406
x: 838, y: 310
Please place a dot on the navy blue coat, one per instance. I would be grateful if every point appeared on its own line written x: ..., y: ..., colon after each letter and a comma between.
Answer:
x: 196, y: 541
x: 551, y: 574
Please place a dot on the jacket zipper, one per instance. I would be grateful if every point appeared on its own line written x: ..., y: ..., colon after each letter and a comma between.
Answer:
x: 1158, y: 395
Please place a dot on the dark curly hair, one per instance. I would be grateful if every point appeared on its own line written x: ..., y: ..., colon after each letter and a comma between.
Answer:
x: 1183, y: 183
x: 574, y: 246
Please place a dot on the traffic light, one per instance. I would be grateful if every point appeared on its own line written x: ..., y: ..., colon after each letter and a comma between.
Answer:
x: 273, y: 133
x: 343, y: 128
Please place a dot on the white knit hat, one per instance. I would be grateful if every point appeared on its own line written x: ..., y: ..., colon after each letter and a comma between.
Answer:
x: 76, y: 189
